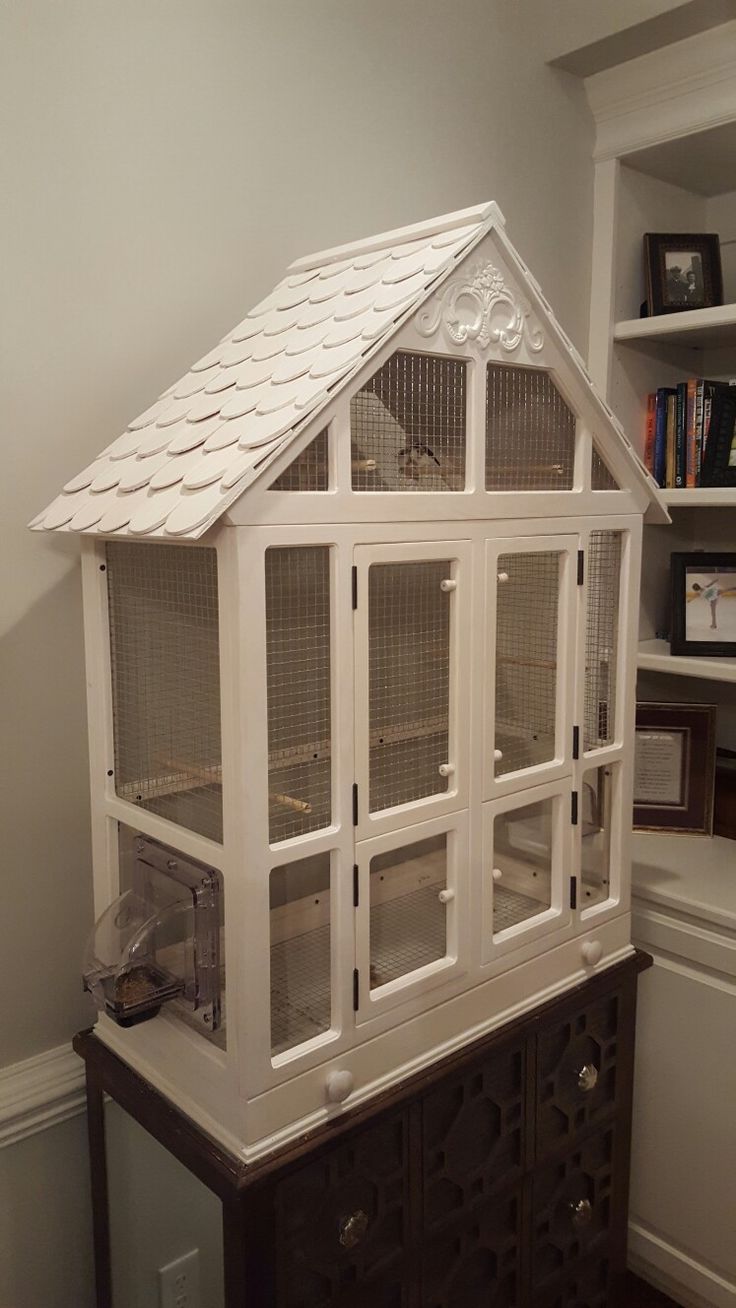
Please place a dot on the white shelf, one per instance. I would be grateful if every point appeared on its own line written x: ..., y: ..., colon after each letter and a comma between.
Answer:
x: 688, y: 874
x: 654, y: 656
x: 700, y: 328
x: 700, y: 496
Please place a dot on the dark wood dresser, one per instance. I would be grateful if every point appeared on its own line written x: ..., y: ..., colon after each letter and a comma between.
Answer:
x: 497, y: 1179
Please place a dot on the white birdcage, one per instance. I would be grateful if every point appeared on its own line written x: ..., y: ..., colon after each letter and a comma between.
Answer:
x: 359, y: 599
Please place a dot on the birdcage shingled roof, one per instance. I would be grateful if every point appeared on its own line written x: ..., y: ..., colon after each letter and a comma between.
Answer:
x: 191, y: 454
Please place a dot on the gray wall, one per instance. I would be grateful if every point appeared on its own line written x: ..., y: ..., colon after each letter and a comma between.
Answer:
x: 164, y: 160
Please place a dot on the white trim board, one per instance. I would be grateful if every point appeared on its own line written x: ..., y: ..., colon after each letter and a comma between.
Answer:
x: 40, y: 1092
x: 674, y: 1272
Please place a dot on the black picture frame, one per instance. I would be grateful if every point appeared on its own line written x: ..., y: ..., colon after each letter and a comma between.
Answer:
x: 719, y: 452
x: 674, y: 768
x: 710, y: 629
x: 683, y: 271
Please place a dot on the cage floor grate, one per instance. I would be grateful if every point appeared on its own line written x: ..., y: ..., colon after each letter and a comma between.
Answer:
x: 406, y: 934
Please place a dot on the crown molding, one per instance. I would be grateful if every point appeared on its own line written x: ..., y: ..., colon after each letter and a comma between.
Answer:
x: 686, y: 87
x: 40, y: 1093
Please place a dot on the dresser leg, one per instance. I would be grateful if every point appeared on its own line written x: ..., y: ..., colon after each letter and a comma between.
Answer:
x: 98, y: 1181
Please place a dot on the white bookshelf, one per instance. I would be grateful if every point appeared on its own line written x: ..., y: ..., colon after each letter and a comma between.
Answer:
x: 654, y: 656
x: 699, y: 328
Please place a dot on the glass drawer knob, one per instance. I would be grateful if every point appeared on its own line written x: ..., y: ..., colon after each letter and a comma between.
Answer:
x: 448, y: 584
x: 446, y: 769
x: 587, y: 1077
x: 353, y: 1228
x: 446, y: 896
x: 581, y: 1213
x: 503, y: 576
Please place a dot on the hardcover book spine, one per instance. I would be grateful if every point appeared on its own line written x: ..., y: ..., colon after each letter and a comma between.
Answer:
x: 680, y: 452
x: 699, y: 418
x: 671, y: 438
x: 690, y: 442
x: 660, y: 436
x: 649, y: 432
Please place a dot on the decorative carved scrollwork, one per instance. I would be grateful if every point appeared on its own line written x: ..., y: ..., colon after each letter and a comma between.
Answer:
x: 465, y: 308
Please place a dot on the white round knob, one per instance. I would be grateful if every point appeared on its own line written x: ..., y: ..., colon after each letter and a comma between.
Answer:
x: 497, y: 755
x: 592, y: 952
x: 445, y: 896
x: 503, y: 576
x: 446, y: 769
x: 339, y: 1085
x: 448, y: 584
x: 497, y: 874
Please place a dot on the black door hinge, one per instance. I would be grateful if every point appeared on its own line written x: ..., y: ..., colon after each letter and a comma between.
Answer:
x: 356, y: 989
x: 355, y: 587
x: 355, y: 803
x: 576, y: 742
x: 581, y: 567
x: 573, y: 892
x: 574, y: 808
x: 356, y: 886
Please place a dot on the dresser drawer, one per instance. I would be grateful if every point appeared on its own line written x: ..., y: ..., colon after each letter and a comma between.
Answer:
x: 591, y: 1285
x: 341, y: 1222
x: 473, y: 1136
x: 572, y: 1210
x: 579, y: 1060
x: 477, y: 1264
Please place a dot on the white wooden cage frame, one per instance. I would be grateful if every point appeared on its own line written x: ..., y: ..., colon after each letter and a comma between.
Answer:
x: 245, y: 1096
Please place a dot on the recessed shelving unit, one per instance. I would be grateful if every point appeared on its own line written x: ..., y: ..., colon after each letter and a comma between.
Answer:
x: 695, y: 497
x: 699, y: 328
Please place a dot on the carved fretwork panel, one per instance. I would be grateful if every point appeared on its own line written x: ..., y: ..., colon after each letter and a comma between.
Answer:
x: 572, y: 1208
x: 589, y: 1286
x: 567, y: 1102
x: 341, y: 1223
x: 476, y: 1264
x: 473, y: 1136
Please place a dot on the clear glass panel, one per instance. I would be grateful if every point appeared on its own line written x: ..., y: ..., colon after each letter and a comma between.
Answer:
x: 528, y: 589
x: 409, y: 681
x: 407, y: 917
x: 595, y: 830
x: 408, y: 426
x: 298, y: 689
x: 522, y: 864
x: 530, y: 432
x: 300, y: 916
x: 309, y: 471
x: 165, y: 661
x: 601, y: 478
x: 603, y: 565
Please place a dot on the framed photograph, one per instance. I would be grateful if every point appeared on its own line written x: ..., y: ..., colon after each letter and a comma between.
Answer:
x: 674, y: 768
x: 683, y: 271
x: 703, y: 604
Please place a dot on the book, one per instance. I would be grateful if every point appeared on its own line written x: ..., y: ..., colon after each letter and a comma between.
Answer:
x: 660, y: 434
x: 680, y: 453
x: 649, y: 431
x: 690, y: 440
x: 670, y: 438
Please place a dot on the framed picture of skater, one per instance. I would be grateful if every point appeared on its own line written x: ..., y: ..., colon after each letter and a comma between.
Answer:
x: 703, y: 604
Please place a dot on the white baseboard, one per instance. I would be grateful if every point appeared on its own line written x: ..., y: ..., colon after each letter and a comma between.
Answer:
x: 39, y: 1093
x: 676, y: 1273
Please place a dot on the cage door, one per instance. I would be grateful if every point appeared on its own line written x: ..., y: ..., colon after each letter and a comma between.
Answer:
x: 530, y: 667
x: 527, y: 860
x: 411, y: 603
x: 410, y: 891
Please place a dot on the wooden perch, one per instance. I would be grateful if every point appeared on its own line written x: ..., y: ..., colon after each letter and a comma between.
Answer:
x: 288, y: 801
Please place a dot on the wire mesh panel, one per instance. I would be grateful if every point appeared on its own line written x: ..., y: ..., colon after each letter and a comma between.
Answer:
x: 164, y: 652
x: 408, y: 426
x: 407, y: 918
x: 298, y: 689
x: 522, y: 864
x: 300, y: 915
x: 595, y: 835
x: 601, y: 478
x: 530, y: 431
x: 309, y: 471
x: 528, y: 592
x: 603, y: 566
x: 409, y: 681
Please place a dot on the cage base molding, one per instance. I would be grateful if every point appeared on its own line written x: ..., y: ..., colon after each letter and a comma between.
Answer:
x: 360, y: 595
x: 254, y: 1129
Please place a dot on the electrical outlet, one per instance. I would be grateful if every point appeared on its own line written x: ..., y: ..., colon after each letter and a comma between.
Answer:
x: 178, y: 1282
